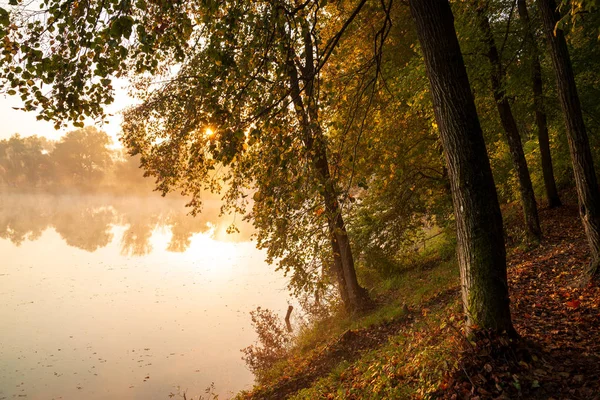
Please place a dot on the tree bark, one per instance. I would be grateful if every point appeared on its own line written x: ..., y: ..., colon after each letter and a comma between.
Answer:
x: 511, y: 130
x: 288, y: 314
x: 538, y: 103
x: 581, y: 155
x: 481, y: 252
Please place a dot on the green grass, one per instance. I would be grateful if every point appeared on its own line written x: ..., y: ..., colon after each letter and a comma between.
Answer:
x: 410, y: 365
x: 413, y: 361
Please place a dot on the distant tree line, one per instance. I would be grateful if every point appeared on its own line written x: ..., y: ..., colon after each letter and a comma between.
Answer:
x: 82, y: 160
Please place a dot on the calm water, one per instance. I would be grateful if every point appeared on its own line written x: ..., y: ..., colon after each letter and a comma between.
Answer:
x: 125, y: 299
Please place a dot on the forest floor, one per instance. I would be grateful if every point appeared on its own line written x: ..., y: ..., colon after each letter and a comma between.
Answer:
x: 558, y: 321
x: 412, y: 345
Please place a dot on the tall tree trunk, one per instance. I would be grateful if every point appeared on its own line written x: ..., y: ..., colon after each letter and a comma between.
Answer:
x: 511, y: 130
x: 581, y: 156
x: 354, y: 297
x: 481, y: 252
x: 540, y: 114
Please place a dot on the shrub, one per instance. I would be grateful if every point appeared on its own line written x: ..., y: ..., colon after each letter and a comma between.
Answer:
x: 272, y: 344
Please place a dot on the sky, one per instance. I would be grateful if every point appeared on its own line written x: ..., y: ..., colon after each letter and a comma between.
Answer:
x: 25, y: 123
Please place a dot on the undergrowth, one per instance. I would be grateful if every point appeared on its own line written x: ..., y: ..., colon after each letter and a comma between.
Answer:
x: 412, y: 345
x: 407, y: 340
x: 411, y: 364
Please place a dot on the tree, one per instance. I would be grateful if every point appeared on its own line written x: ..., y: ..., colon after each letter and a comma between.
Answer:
x: 481, y: 252
x: 128, y: 176
x: 88, y: 44
x: 581, y: 156
x: 24, y: 162
x: 385, y: 145
x: 247, y: 110
x: 511, y: 130
x: 82, y: 157
x: 272, y: 88
x: 541, y: 119
x: 259, y: 116
x: 306, y: 106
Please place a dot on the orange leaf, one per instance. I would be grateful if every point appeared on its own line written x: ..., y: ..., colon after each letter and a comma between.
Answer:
x: 573, y: 303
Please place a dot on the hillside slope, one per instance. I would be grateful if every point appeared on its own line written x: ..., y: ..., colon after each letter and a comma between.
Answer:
x: 421, y: 352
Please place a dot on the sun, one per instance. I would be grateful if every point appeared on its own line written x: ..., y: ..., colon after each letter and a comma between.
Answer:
x: 209, y: 132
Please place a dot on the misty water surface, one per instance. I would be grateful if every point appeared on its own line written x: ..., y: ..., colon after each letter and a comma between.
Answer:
x: 125, y: 298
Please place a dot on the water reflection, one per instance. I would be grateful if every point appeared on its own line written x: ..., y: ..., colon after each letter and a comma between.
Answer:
x: 87, y: 228
x: 182, y: 228
x: 86, y: 222
x: 163, y: 304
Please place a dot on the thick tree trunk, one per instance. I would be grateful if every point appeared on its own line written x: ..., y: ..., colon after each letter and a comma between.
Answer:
x: 511, y: 130
x: 481, y: 252
x: 581, y: 156
x: 540, y: 115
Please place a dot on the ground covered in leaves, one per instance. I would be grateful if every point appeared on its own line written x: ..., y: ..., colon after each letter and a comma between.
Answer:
x: 558, y: 356
x: 422, y: 352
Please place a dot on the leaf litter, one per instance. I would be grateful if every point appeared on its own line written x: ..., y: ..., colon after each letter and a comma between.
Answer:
x: 558, y: 353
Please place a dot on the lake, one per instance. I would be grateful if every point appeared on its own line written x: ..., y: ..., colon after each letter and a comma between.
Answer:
x: 125, y: 298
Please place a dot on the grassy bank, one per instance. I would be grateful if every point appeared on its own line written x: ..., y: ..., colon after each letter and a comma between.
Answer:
x: 411, y: 345
x: 400, y: 348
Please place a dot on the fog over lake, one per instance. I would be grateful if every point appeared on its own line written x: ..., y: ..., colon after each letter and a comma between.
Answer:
x: 125, y: 298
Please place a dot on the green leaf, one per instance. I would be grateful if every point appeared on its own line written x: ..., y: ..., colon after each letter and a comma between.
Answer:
x: 4, y: 18
x: 122, y: 27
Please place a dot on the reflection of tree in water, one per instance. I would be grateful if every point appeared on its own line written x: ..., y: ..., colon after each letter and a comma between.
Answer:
x: 21, y: 219
x: 86, y: 222
x: 243, y: 233
x: 142, y: 217
x: 183, y: 228
x: 82, y: 222
x: 86, y: 228
x: 136, y: 239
